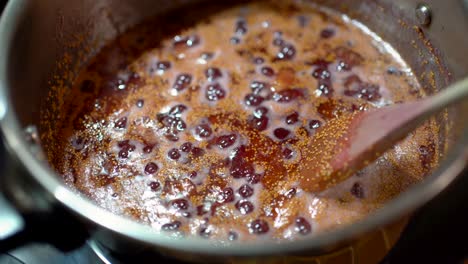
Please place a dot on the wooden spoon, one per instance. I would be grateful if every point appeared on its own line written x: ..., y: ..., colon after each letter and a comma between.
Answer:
x: 348, y: 143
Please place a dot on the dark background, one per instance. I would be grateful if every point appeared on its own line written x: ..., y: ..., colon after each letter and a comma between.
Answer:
x: 438, y: 233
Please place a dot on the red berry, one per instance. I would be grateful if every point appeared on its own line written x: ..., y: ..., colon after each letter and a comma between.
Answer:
x: 245, y: 191
x: 302, y: 226
x: 213, y: 73
x: 203, y: 130
x: 173, y: 154
x: 245, y: 207
x: 258, y: 227
x: 226, y: 141
x: 151, y: 168
x: 180, y: 204
x: 281, y: 133
x: 171, y: 226
x: 327, y: 33
x: 292, y: 118
x: 215, y: 92
x: 182, y: 81
x: 253, y: 100
x: 288, y: 95
x: 357, y: 190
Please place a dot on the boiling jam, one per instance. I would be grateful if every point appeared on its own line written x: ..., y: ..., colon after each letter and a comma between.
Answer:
x: 197, y: 122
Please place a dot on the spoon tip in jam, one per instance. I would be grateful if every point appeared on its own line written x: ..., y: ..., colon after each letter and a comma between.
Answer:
x: 348, y: 143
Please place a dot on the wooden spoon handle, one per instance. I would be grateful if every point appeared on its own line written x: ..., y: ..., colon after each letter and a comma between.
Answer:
x: 348, y: 143
x: 453, y: 94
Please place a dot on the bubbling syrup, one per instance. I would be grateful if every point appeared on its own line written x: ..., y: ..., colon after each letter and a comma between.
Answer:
x: 202, y: 130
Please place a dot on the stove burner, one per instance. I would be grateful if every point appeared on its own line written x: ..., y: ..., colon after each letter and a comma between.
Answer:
x: 9, y: 259
x: 92, y: 252
x: 101, y: 253
x: 108, y: 257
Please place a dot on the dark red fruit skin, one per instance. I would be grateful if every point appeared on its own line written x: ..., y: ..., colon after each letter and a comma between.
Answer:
x: 151, y: 168
x: 197, y: 152
x: 260, y: 111
x: 180, y: 204
x: 258, y: 123
x: 186, y: 41
x: 177, y: 110
x: 259, y: 227
x: 253, y: 99
x: 355, y: 87
x: 357, y: 190
x: 258, y: 86
x: 254, y: 178
x: 290, y: 193
x: 240, y: 166
x: 245, y: 207
x: 241, y: 169
x: 121, y: 123
x: 154, y: 185
x: 278, y: 42
x: 267, y: 71
x: 327, y: 33
x: 281, y: 133
x: 226, y: 141
x: 226, y: 196
x: 186, y: 147
x: 193, y: 174
x: 286, y: 52
x: 163, y: 65
x: 205, y: 232
x: 182, y: 81
x: 245, y: 191
x: 315, y: 124
x: 215, y: 92
x: 203, y: 131
x: 232, y: 236
x: 258, y: 60
x: 287, y: 153
x: 173, y: 154
x: 347, y: 58
x: 207, y: 55
x: 288, y: 95
x: 323, y: 75
x: 292, y: 118
x: 325, y: 87
x: 140, y: 103
x: 213, y: 73
x: 171, y: 226
x: 171, y: 137
x: 241, y: 27
x: 235, y: 40
x: 201, y: 210
x: 302, y: 226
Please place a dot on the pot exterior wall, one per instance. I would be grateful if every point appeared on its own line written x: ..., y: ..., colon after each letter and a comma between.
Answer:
x: 49, y: 29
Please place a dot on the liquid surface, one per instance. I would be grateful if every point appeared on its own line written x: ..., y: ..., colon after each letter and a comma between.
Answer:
x: 199, y: 126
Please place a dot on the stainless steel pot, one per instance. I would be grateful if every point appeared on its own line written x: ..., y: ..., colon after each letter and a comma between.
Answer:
x: 41, y: 39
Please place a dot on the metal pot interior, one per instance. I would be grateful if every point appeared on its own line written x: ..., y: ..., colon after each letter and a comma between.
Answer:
x: 53, y: 39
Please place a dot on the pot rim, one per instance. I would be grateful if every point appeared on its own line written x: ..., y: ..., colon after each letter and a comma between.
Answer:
x: 13, y: 134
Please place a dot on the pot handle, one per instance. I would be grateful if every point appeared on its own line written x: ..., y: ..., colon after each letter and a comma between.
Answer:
x: 25, y: 219
x: 434, y: 232
x: 11, y: 225
x: 56, y: 227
